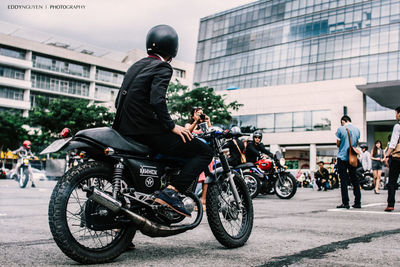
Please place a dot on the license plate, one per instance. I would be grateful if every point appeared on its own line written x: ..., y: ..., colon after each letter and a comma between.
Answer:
x: 56, y: 146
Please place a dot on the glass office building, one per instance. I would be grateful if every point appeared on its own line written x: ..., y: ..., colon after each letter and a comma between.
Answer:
x: 297, y: 41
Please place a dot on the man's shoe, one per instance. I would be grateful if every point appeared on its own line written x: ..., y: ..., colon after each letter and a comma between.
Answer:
x: 319, y: 189
x: 343, y: 206
x: 171, y: 199
x: 389, y: 209
x: 33, y: 185
x: 357, y: 206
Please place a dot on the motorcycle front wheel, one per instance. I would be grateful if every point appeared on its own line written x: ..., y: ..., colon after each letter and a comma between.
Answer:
x: 230, y: 225
x: 23, y: 180
x: 67, y: 217
x: 253, y: 183
x: 286, y: 186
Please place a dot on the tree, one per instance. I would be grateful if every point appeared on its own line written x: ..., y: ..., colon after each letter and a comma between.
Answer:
x: 12, y: 134
x: 50, y: 116
x: 181, y: 100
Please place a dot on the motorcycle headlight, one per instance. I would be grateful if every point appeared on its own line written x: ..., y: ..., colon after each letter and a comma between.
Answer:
x: 26, y: 161
x: 282, y: 161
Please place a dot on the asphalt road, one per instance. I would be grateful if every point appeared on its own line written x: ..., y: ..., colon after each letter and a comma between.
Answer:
x: 304, y: 231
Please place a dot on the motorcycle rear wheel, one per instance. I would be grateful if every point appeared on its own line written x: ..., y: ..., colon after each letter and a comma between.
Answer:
x: 23, y: 181
x: 230, y: 226
x: 67, y: 221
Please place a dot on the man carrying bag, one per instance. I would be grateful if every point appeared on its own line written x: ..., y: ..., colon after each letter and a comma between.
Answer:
x: 347, y: 137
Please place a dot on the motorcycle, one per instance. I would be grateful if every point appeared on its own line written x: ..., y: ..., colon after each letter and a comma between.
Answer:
x: 269, y: 175
x: 97, y: 207
x: 365, y: 178
x: 22, y: 175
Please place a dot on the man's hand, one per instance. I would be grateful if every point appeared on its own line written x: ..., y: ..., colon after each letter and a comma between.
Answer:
x: 182, y: 132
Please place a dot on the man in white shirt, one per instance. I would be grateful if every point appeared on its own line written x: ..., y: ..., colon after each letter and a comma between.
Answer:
x: 394, y: 163
x: 365, y: 158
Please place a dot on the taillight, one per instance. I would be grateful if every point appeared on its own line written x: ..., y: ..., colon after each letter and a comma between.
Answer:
x: 65, y: 132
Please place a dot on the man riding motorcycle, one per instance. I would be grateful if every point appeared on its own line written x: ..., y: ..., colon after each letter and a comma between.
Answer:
x: 256, y: 148
x: 24, y: 151
x: 144, y: 117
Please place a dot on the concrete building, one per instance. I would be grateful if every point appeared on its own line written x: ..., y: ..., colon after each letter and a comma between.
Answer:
x: 299, y: 65
x: 35, y: 63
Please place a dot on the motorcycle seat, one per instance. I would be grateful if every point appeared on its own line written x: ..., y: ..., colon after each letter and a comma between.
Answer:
x: 246, y: 165
x: 108, y: 137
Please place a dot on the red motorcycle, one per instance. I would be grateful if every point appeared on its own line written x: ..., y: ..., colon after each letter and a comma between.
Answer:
x: 271, y: 177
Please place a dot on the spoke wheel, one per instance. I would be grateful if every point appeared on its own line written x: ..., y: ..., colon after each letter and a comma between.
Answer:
x: 230, y: 225
x: 286, y: 186
x: 67, y: 220
x: 253, y: 183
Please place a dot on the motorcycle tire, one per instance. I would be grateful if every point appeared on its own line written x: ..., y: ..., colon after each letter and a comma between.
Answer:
x: 368, y: 182
x: 221, y: 210
x: 60, y: 218
x: 253, y: 183
x: 23, y: 181
x: 288, y: 190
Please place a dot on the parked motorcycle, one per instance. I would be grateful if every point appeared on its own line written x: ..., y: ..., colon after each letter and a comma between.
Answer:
x: 22, y: 175
x: 365, y: 178
x: 270, y: 175
x: 96, y: 208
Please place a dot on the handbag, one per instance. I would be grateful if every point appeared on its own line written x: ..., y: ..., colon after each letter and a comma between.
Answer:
x: 242, y: 156
x: 353, y: 161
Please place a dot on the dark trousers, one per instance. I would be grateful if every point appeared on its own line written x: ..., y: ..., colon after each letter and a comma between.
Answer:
x: 394, y: 171
x: 197, y: 153
x: 321, y: 184
x: 347, y: 174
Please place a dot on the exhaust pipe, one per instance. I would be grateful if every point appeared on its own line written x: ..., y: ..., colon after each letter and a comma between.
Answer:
x: 146, y: 226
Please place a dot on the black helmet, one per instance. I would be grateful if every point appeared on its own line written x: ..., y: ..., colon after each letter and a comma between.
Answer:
x: 162, y: 40
x: 364, y: 146
x: 257, y: 134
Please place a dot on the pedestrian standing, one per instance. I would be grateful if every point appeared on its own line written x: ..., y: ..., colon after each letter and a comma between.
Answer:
x: 377, y: 158
x: 393, y: 160
x: 347, y: 173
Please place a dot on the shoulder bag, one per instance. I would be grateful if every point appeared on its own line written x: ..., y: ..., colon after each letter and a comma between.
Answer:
x: 242, y: 156
x: 353, y: 161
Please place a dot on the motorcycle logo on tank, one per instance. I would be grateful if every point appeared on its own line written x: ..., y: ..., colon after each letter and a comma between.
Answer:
x: 148, y: 170
x: 149, y: 182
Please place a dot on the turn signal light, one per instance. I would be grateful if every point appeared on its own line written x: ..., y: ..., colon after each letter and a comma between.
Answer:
x: 65, y: 132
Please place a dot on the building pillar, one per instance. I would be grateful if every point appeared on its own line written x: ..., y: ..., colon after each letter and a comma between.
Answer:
x: 92, y: 85
x: 313, y: 158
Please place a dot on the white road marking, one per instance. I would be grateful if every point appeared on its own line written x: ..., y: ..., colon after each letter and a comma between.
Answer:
x: 374, y: 204
x: 364, y: 211
x: 3, y: 214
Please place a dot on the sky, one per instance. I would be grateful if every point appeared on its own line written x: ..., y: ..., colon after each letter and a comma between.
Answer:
x: 119, y: 25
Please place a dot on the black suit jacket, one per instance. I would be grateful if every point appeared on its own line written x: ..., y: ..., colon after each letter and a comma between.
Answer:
x: 144, y: 110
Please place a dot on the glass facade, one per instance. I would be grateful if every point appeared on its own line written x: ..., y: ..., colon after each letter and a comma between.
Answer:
x: 59, y: 85
x: 11, y: 93
x: 13, y: 73
x: 296, y: 41
x: 109, y: 76
x: 316, y: 120
x: 48, y: 63
x: 12, y: 52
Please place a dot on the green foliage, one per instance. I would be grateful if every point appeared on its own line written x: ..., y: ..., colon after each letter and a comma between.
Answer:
x: 49, y: 117
x: 181, y: 100
x: 12, y: 134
